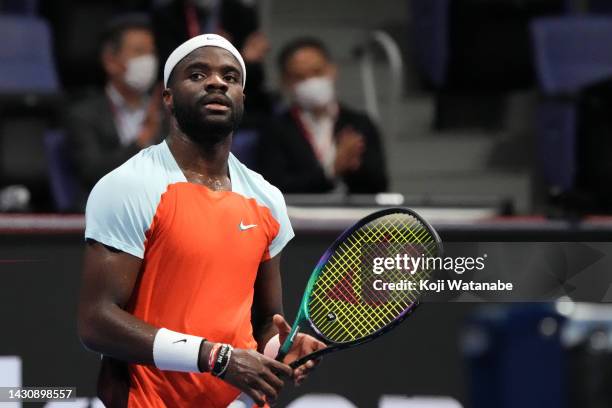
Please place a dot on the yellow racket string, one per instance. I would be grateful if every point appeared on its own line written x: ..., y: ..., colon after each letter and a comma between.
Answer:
x: 343, y: 305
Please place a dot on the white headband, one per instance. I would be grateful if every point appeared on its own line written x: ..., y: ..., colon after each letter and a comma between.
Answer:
x: 204, y: 40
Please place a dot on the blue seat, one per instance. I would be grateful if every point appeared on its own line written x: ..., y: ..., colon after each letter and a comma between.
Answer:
x: 515, y: 357
x: 63, y: 184
x: 244, y: 146
x: 29, y: 104
x: 570, y: 53
x: 431, y: 34
x: 26, y: 61
x: 26, y: 7
x: 556, y: 124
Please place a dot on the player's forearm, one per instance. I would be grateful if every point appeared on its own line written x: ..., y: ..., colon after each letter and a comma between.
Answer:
x: 119, y: 334
x: 111, y: 331
x: 267, y: 301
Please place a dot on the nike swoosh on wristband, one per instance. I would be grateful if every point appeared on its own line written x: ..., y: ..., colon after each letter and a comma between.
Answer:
x: 179, y: 341
x: 243, y: 227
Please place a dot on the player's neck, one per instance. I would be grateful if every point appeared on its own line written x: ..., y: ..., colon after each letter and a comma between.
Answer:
x: 203, y: 159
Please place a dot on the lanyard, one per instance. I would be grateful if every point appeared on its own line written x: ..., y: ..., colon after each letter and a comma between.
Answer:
x: 194, y: 24
x: 191, y: 17
x: 295, y: 114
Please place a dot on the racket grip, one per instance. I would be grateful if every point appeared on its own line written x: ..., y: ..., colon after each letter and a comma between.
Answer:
x: 281, y: 355
x: 314, y: 355
x: 287, y: 344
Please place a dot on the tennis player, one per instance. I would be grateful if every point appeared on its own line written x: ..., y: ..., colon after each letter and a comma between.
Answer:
x: 181, y: 284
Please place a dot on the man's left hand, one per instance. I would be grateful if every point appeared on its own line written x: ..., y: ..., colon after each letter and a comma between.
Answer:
x: 302, y: 345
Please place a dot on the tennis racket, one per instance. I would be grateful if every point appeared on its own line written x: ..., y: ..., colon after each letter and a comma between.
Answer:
x: 346, y: 302
x: 342, y: 304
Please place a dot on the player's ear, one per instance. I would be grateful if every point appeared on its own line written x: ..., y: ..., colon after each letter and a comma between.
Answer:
x: 168, y: 99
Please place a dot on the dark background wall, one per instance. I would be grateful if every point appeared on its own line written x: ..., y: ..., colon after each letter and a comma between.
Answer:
x: 39, y: 282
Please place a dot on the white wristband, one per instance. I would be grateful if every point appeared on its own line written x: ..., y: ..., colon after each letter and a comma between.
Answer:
x: 272, y: 347
x: 175, y: 351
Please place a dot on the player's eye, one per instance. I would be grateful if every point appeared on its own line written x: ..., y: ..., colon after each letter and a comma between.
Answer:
x: 231, y: 78
x: 196, y: 76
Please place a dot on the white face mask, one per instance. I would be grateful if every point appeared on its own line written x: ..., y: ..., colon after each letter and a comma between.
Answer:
x: 141, y: 72
x: 315, y: 92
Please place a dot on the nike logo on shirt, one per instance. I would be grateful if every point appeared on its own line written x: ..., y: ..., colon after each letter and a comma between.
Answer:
x: 243, y: 227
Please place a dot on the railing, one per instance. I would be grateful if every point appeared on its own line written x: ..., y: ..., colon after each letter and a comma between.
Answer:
x: 393, y: 56
x: 453, y: 224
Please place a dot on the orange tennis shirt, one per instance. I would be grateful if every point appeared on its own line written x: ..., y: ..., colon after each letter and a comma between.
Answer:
x: 200, y: 252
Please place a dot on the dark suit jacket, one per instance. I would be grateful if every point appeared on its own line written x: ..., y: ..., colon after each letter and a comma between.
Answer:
x: 93, y: 141
x: 288, y: 161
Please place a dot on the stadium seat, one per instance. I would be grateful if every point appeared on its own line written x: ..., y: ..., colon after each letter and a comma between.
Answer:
x: 430, y: 18
x: 571, y: 53
x: 26, y: 7
x: 473, y: 52
x: 556, y: 143
x: 64, y: 186
x: 244, y: 146
x: 26, y: 61
x: 515, y: 357
x: 29, y: 103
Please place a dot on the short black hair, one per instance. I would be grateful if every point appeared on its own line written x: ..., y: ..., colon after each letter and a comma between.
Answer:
x: 297, y: 44
x: 112, y: 35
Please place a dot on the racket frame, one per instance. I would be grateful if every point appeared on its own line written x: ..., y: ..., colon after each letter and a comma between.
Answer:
x: 303, y: 314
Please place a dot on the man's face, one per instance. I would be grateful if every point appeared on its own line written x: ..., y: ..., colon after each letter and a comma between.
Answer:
x: 205, y: 94
x: 307, y: 63
x: 134, y: 43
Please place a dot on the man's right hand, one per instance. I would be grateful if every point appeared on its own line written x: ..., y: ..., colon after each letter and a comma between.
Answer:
x: 256, y: 46
x: 256, y: 375
x: 349, y: 149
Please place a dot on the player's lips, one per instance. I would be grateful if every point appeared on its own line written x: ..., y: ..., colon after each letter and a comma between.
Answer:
x: 216, y: 107
x: 216, y: 103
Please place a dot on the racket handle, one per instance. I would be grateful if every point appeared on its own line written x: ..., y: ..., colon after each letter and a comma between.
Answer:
x: 317, y: 354
x: 288, y: 343
x: 281, y: 355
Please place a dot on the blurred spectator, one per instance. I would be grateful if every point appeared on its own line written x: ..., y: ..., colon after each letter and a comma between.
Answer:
x: 237, y: 21
x: 110, y: 126
x: 320, y: 145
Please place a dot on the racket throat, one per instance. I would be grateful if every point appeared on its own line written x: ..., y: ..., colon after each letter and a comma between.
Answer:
x: 286, y: 347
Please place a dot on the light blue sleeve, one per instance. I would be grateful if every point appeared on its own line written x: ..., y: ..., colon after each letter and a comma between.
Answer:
x: 118, y: 214
x: 285, y: 231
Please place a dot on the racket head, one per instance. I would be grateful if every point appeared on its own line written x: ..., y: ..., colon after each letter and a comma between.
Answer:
x: 340, y: 302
